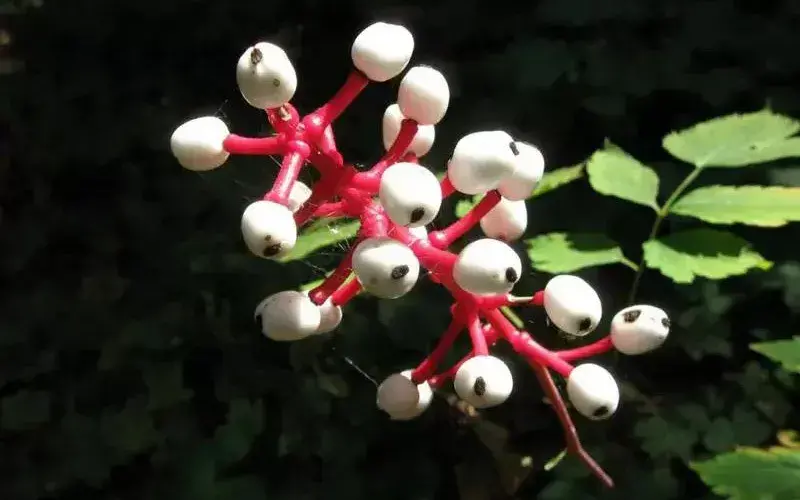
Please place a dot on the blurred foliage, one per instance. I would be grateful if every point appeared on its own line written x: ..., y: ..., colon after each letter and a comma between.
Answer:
x: 129, y: 364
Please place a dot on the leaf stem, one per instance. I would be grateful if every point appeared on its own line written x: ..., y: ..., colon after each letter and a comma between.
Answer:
x: 512, y: 316
x: 661, y: 214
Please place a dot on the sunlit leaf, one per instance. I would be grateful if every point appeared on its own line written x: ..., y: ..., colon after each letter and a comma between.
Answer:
x: 705, y: 253
x: 550, y: 181
x: 613, y: 172
x: 321, y: 236
x: 563, y: 252
x: 785, y: 352
x: 465, y: 205
x: 753, y: 474
x: 765, y: 206
x: 736, y: 140
x: 557, y: 178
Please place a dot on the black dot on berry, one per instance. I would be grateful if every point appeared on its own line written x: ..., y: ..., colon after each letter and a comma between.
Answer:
x: 256, y: 56
x: 601, y: 412
x: 584, y: 324
x: 271, y: 250
x: 417, y: 214
x: 276, y: 82
x: 665, y: 322
x: 512, y: 275
x: 631, y: 316
x: 514, y: 148
x: 479, y: 387
x: 400, y: 272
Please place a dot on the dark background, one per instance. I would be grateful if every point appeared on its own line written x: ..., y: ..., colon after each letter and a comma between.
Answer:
x: 129, y: 364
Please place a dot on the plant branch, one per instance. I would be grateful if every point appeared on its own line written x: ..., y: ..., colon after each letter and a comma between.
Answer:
x: 660, y: 216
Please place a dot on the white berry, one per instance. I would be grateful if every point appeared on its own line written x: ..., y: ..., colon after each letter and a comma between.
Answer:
x: 398, y: 395
x: 526, y: 175
x: 299, y: 194
x: 572, y: 304
x: 330, y: 315
x: 424, y: 95
x: 483, y: 381
x: 487, y: 267
x: 288, y: 316
x: 382, y: 51
x: 410, y: 194
x: 268, y: 229
x: 480, y: 161
x: 593, y: 391
x: 393, y: 120
x: 197, y: 144
x: 639, y: 329
x: 507, y: 221
x: 385, y: 268
x: 419, y: 231
x: 265, y: 76
x: 424, y: 397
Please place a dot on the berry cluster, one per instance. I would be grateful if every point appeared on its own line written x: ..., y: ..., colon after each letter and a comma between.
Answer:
x: 394, y: 200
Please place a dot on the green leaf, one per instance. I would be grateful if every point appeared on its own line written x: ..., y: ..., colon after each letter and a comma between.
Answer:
x: 465, y: 205
x: 550, y: 181
x: 25, y: 410
x: 736, y: 140
x: 785, y: 352
x: 321, y: 236
x: 557, y: 178
x: 753, y: 474
x: 613, y: 172
x: 764, y: 206
x: 706, y: 253
x: 563, y: 252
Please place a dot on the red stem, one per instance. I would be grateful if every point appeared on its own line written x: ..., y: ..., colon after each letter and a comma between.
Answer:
x: 238, y: 145
x: 346, y: 292
x: 602, y: 346
x: 321, y: 293
x: 370, y: 180
x: 344, y: 97
x: 525, y: 345
x: 445, y: 237
x: 290, y: 170
x: 574, y: 445
x: 427, y: 368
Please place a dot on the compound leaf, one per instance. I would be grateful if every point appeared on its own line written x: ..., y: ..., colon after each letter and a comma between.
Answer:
x: 563, y: 252
x: 320, y: 236
x: 764, y: 206
x: 24, y: 410
x: 736, y: 140
x: 707, y: 253
x: 753, y: 474
x: 556, y: 178
x: 785, y: 352
x: 613, y: 172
